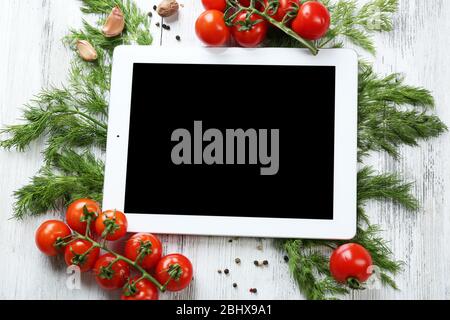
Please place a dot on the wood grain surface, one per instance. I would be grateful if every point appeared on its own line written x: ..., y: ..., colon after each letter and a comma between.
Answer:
x: 32, y: 57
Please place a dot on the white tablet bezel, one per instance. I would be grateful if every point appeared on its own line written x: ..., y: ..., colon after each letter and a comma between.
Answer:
x: 343, y: 226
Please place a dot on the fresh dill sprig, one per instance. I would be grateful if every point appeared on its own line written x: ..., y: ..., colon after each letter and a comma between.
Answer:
x: 387, y: 186
x: 391, y: 114
x: 384, y: 124
x: 137, y: 24
x: 382, y: 256
x: 68, y: 177
x: 310, y: 268
x: 349, y: 21
x: 357, y: 24
x: 53, y: 114
x: 73, y: 118
x: 312, y: 274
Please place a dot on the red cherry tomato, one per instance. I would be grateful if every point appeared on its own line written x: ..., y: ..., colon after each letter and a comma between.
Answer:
x: 75, y: 254
x: 350, y: 262
x: 111, y: 223
x: 251, y: 33
x: 283, y: 8
x: 114, y: 277
x: 215, y: 4
x: 76, y: 217
x: 48, y: 234
x: 146, y: 247
x: 141, y: 290
x: 211, y: 29
x: 177, y: 267
x: 312, y: 21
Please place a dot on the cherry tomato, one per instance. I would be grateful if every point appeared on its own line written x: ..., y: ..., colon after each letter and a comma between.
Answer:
x: 246, y: 3
x: 177, y: 267
x: 252, y: 32
x: 141, y: 290
x: 76, y: 214
x: 211, y: 29
x: 146, y: 247
x: 350, y: 262
x: 312, y: 21
x: 215, y: 4
x: 114, y: 277
x: 111, y: 223
x: 283, y: 8
x: 48, y: 234
x: 75, y: 254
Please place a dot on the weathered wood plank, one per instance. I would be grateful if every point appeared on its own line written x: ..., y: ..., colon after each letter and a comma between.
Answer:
x: 32, y: 57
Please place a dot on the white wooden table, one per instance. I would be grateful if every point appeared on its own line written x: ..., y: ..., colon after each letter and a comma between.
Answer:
x: 32, y: 56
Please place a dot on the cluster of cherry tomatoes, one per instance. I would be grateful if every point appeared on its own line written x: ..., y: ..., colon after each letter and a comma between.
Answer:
x: 83, y: 238
x: 310, y: 20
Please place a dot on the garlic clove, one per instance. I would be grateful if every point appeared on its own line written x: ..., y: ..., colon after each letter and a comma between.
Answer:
x: 86, y: 51
x: 168, y: 8
x: 115, y: 23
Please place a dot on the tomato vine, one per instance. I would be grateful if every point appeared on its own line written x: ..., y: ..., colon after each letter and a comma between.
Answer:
x: 134, y: 264
x: 143, y: 252
x: 235, y: 8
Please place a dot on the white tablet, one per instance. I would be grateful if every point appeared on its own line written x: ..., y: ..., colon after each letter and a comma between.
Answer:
x: 234, y: 142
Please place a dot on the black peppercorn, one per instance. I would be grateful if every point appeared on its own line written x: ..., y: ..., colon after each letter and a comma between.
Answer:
x: 253, y: 290
x: 155, y: 7
x: 234, y: 285
x: 256, y: 263
x: 237, y: 260
x: 219, y: 271
x: 178, y: 38
x: 286, y: 258
x: 265, y: 262
x: 157, y: 24
x: 150, y: 14
x: 226, y: 271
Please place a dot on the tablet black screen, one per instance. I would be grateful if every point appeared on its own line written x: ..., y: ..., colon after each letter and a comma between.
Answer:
x: 187, y: 156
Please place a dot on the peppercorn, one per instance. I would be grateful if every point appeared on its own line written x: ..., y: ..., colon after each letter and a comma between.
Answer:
x: 226, y: 271
x: 265, y: 262
x: 155, y: 7
x: 253, y: 290
x: 256, y: 263
x: 219, y: 271
x: 234, y: 285
x: 150, y: 14
x: 165, y: 26
x: 157, y: 24
x: 237, y: 260
x: 178, y: 38
x: 286, y: 258
x: 231, y: 240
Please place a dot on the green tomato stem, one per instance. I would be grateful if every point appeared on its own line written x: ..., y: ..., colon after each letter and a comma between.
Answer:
x: 252, y: 10
x: 145, y: 274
